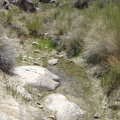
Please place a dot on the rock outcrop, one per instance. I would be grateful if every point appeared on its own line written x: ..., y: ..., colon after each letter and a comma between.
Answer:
x: 37, y: 76
x: 30, y: 77
x: 64, y: 109
x: 26, y: 5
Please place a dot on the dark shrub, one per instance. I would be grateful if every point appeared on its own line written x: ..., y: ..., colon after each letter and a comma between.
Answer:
x: 72, y: 46
x: 7, y: 56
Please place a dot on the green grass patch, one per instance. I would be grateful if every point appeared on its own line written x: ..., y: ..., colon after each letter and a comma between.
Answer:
x: 76, y: 72
x: 45, y: 44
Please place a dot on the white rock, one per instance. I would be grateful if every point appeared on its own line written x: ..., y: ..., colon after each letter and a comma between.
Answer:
x: 64, y: 109
x: 52, y: 61
x: 31, y: 58
x: 35, y: 43
x: 46, y: 34
x: 24, y: 58
x: 61, y: 56
x: 36, y: 76
x: 97, y: 116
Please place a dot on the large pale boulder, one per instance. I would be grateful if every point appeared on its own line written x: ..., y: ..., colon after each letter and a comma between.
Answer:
x: 64, y: 109
x: 29, y: 77
x: 37, y: 76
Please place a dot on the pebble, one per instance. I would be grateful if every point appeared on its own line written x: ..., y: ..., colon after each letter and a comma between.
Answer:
x: 35, y: 43
x: 97, y: 116
x: 53, y: 61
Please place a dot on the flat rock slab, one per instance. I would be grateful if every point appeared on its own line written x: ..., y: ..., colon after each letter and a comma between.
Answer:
x: 37, y: 76
x: 10, y: 109
x: 52, y: 61
x: 64, y: 109
x: 4, y: 116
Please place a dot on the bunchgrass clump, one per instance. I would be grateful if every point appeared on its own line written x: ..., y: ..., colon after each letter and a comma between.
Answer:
x: 35, y: 25
x: 111, y: 81
x: 103, y: 37
x: 102, y: 42
x: 7, y: 56
x: 9, y: 16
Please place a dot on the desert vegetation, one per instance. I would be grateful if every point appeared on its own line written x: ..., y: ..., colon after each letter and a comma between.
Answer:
x: 92, y: 33
x: 103, y: 46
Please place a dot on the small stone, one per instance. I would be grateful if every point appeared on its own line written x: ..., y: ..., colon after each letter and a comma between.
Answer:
x: 97, y: 116
x: 41, y: 106
x: 46, y: 47
x: 40, y: 95
x: 39, y: 98
x: 31, y: 58
x: 38, y: 59
x: 52, y: 117
x: 104, y: 107
x: 35, y: 43
x: 61, y: 56
x: 46, y: 34
x: 52, y: 61
x: 24, y: 58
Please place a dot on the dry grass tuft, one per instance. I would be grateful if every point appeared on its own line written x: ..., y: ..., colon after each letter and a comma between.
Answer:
x: 100, y: 43
x: 111, y: 81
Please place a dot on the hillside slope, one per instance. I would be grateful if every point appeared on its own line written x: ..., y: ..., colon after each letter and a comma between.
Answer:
x: 88, y: 36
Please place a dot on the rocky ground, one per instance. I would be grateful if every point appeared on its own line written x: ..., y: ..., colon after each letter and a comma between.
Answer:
x: 46, y: 85
x: 35, y: 93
